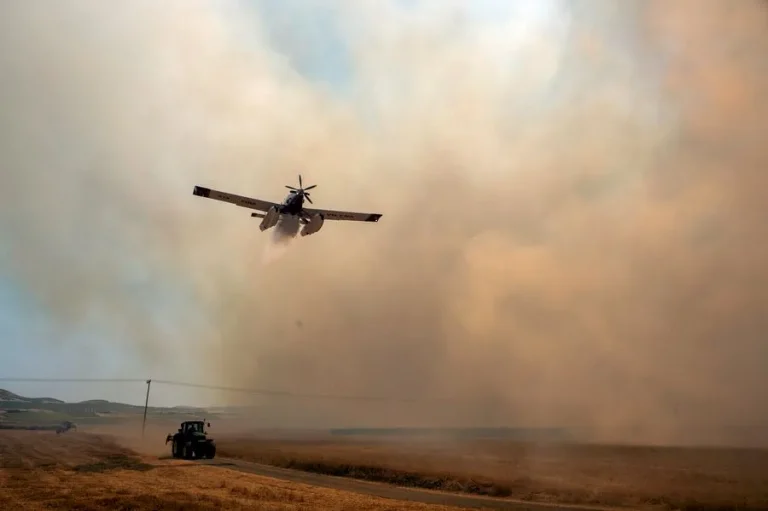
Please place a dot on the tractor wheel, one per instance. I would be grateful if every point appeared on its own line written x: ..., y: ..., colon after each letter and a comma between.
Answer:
x: 211, y: 452
x: 175, y: 449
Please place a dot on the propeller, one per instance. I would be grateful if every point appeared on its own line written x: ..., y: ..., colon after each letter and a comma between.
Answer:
x: 301, y: 190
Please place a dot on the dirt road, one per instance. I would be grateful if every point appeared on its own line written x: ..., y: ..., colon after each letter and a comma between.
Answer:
x: 386, y: 491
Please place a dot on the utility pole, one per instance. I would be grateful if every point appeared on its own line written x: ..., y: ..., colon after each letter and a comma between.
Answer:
x: 146, y: 404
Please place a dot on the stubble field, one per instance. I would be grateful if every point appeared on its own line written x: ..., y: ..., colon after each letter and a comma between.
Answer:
x: 658, y: 477
x: 113, y: 468
x: 42, y: 470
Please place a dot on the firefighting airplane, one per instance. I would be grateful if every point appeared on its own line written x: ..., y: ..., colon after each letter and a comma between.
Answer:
x: 292, y: 206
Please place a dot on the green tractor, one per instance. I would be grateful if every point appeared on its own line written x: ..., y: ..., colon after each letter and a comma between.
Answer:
x: 191, y: 441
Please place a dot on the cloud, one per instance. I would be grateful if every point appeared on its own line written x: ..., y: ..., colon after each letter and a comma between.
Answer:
x: 572, y: 220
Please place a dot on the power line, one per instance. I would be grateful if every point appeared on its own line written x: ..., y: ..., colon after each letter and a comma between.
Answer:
x: 83, y: 380
x: 266, y: 392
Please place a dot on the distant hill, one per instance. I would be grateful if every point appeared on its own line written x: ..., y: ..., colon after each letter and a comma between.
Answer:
x: 21, y: 411
x: 8, y: 396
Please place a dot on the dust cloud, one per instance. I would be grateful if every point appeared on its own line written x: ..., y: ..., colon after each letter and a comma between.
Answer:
x: 573, y: 229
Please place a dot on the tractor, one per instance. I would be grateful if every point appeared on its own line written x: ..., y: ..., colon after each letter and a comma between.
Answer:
x: 65, y: 426
x: 191, y: 441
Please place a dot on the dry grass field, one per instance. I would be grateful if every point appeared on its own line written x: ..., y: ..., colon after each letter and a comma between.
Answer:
x: 40, y: 470
x: 87, y: 471
x: 671, y: 478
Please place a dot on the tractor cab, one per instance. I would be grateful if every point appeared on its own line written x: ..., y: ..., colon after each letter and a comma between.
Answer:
x: 193, y: 427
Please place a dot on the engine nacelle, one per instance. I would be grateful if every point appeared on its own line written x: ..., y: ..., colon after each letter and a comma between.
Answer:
x: 314, y: 225
x: 270, y: 219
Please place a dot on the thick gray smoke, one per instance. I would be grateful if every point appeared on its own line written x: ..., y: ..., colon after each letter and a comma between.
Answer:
x: 573, y: 226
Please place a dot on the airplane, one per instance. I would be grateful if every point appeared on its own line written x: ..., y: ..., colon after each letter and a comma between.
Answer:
x: 292, y: 207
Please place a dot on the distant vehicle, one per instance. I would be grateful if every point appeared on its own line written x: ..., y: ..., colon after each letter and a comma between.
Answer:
x: 65, y: 426
x: 275, y: 214
x: 191, y: 441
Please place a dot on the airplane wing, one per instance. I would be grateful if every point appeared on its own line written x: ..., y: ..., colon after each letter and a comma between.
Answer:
x: 344, y: 215
x: 238, y: 200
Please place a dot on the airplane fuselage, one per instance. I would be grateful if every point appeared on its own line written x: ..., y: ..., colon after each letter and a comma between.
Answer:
x: 292, y: 205
x: 287, y: 217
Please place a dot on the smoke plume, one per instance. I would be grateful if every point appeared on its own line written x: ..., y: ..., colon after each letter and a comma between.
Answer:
x: 572, y: 195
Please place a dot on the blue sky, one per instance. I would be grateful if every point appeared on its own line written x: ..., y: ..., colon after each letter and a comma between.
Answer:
x: 31, y: 347
x: 309, y: 34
